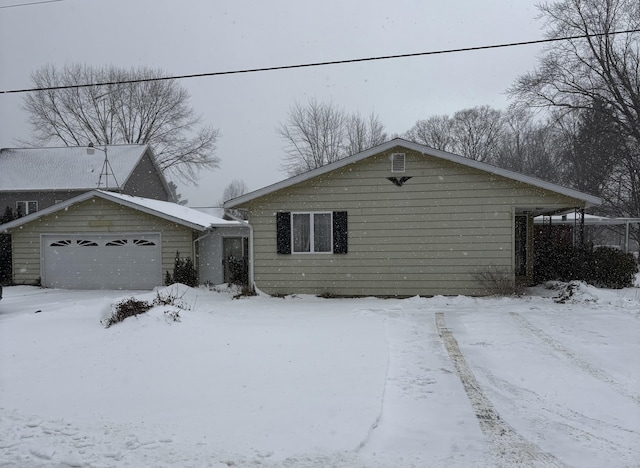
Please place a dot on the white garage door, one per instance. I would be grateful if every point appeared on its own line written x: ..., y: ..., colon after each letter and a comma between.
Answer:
x: 102, y: 261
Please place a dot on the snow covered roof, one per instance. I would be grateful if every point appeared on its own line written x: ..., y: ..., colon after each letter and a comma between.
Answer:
x: 589, y: 200
x: 167, y: 210
x: 65, y: 168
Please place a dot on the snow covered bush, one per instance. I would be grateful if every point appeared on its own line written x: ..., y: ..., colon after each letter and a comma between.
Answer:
x: 126, y: 308
x: 131, y: 307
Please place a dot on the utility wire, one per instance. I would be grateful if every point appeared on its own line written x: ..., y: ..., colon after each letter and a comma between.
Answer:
x: 318, y: 64
x: 31, y: 3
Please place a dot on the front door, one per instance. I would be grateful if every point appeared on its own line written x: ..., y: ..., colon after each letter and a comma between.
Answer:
x: 235, y: 260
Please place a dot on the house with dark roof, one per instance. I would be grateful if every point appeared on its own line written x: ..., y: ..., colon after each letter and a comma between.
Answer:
x: 32, y: 179
x: 400, y: 219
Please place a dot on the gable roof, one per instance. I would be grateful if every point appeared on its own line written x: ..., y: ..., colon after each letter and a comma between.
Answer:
x: 589, y: 200
x: 66, y: 168
x: 166, y: 210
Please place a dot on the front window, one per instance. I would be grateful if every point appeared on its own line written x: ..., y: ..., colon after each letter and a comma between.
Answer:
x: 26, y: 207
x: 311, y: 232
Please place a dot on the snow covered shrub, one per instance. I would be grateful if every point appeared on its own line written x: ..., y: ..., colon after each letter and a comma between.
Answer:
x: 131, y: 307
x: 612, y: 268
x: 126, y: 308
x: 183, y: 272
x: 172, y: 315
x: 245, y: 291
x: 573, y: 292
x: 169, y: 296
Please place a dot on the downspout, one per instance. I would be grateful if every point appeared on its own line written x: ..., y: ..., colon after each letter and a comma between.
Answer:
x: 626, y: 237
x: 252, y: 285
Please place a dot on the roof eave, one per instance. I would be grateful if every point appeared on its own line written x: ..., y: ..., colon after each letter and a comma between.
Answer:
x: 151, y: 211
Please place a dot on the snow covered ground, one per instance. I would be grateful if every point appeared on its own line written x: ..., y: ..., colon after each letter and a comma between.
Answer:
x: 310, y: 382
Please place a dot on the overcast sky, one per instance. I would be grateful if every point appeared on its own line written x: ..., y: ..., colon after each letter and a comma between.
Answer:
x: 200, y: 36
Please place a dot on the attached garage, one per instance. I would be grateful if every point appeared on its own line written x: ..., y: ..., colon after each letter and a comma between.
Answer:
x: 101, y: 261
x: 105, y: 240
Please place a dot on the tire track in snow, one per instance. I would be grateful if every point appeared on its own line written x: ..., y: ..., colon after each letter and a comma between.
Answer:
x: 376, y: 422
x: 507, y: 446
x: 577, y: 361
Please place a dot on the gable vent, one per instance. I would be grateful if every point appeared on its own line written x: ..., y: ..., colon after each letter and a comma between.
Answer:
x: 397, y: 162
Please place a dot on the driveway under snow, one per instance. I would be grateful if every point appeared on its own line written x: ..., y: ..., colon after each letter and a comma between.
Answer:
x: 310, y: 382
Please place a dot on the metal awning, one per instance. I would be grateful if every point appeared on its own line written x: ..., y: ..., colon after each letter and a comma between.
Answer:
x: 574, y: 218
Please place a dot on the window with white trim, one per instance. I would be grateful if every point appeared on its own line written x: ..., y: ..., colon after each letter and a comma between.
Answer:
x: 311, y: 232
x: 26, y: 207
x: 397, y: 162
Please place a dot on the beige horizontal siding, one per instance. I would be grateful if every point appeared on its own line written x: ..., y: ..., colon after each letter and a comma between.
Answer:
x: 433, y: 235
x: 94, y: 216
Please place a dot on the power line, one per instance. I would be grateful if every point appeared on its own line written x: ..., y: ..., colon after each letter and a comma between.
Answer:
x: 319, y: 64
x: 17, y: 5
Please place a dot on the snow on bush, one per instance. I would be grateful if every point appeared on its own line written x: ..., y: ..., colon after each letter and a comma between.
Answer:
x: 171, y: 297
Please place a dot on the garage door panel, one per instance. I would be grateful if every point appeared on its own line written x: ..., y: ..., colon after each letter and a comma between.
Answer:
x: 105, y: 261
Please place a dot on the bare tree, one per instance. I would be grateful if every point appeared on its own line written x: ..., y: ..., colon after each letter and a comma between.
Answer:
x: 603, y: 67
x: 435, y: 132
x: 156, y: 112
x: 477, y: 132
x: 362, y: 133
x: 236, y: 188
x: 473, y: 133
x: 319, y: 133
x: 530, y: 147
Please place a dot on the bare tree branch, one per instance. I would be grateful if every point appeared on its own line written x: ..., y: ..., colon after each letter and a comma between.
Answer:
x: 155, y: 113
x: 319, y: 133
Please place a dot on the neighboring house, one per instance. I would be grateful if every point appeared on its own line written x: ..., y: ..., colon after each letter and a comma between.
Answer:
x: 399, y: 219
x: 32, y: 179
x: 105, y: 240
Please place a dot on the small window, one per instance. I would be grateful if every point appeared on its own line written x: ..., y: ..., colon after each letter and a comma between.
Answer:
x: 116, y: 243
x: 311, y: 232
x: 26, y: 207
x: 86, y: 243
x: 61, y: 243
x: 397, y: 162
x: 143, y: 242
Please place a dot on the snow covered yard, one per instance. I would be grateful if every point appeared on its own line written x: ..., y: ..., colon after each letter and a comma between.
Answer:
x: 310, y: 382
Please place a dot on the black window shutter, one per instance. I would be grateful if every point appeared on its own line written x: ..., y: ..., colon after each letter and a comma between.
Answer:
x: 340, y: 236
x: 283, y: 232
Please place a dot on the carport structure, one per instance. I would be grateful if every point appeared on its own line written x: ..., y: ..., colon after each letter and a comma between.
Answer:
x: 577, y: 222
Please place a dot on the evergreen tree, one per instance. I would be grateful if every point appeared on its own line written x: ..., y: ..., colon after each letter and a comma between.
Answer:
x: 595, y: 150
